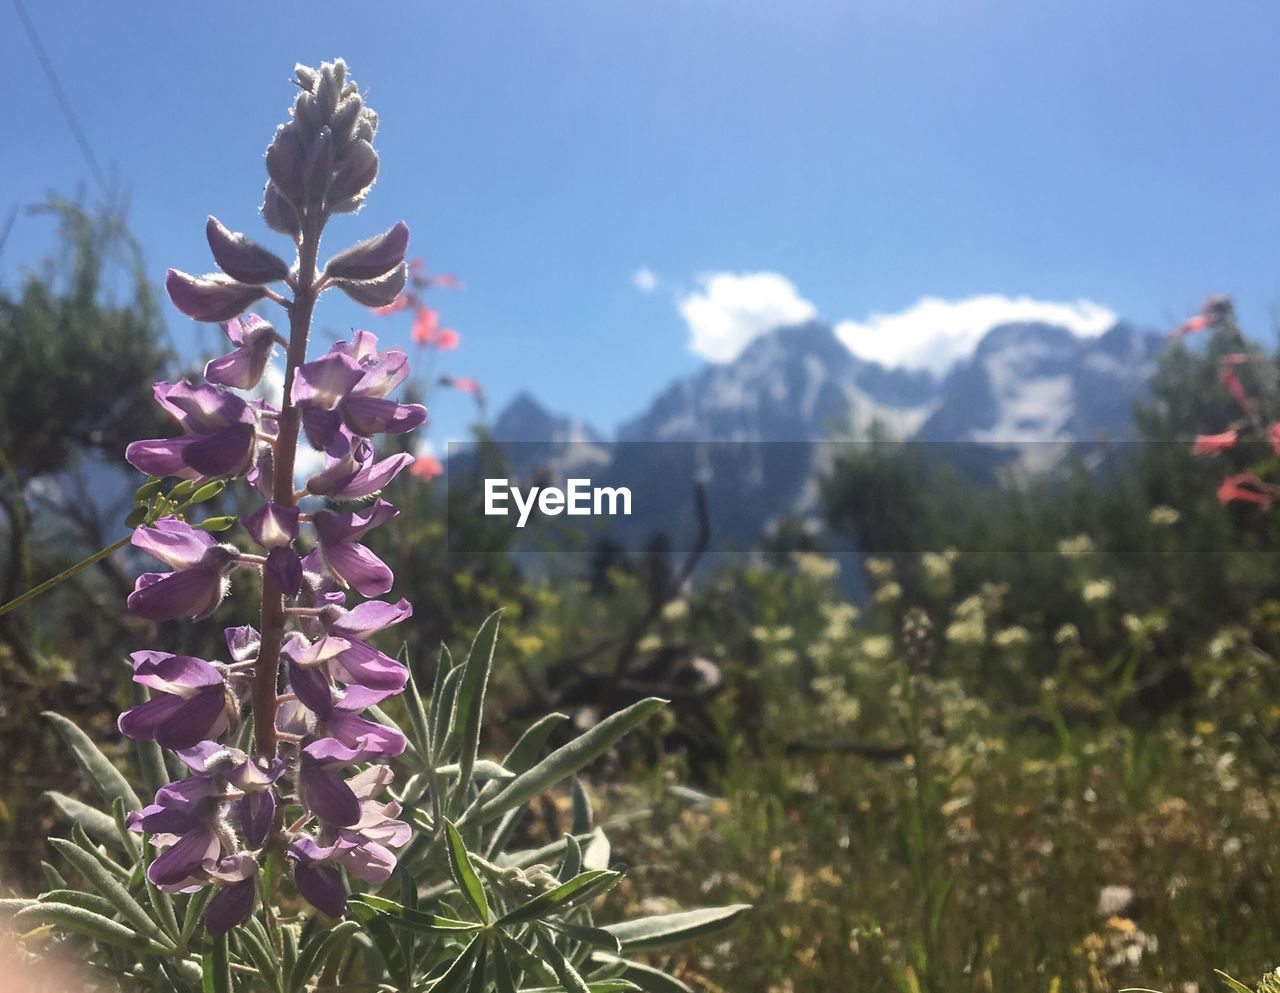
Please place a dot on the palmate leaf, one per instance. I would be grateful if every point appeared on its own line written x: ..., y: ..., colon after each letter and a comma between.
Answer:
x: 670, y: 929
x: 112, y: 889
x: 414, y: 920
x: 577, y: 891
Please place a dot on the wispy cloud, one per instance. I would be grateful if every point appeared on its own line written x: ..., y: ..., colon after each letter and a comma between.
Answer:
x: 729, y: 310
x: 644, y: 279
x: 933, y: 333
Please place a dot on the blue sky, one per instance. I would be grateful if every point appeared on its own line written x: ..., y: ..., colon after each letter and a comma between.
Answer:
x: 869, y: 153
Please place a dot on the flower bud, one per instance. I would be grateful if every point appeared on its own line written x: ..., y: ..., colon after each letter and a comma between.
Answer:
x: 210, y: 298
x: 355, y: 175
x: 241, y: 258
x: 343, y: 123
x: 372, y: 257
x: 375, y: 292
x: 279, y: 213
x: 285, y: 158
x: 319, y: 167
x: 306, y: 76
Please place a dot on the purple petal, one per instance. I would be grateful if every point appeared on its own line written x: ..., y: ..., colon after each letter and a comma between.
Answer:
x: 370, y: 862
x: 285, y: 567
x: 370, y: 480
x: 242, y: 643
x: 332, y: 528
x: 184, y: 858
x: 175, y: 722
x: 272, y: 526
x: 326, y: 795
x: 228, y: 452
x: 370, y: 617
x: 382, y: 376
x: 231, y: 906
x: 240, y: 369
x: 202, y: 409
x: 362, y: 665
x: 375, y: 740
x: 373, y: 415
x: 178, y: 674
x: 312, y: 687
x: 322, y: 427
x: 161, y: 457
x: 326, y: 380
x: 356, y: 566
x: 175, y: 543
x: 321, y: 887
x: 257, y: 811
x: 166, y: 596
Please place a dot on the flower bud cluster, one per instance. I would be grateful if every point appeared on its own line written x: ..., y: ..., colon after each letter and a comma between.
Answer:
x: 314, y: 797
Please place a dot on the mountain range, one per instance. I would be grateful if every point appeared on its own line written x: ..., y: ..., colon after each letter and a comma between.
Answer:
x: 757, y: 431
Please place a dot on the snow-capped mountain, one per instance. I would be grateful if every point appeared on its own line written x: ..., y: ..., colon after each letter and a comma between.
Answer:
x: 753, y: 431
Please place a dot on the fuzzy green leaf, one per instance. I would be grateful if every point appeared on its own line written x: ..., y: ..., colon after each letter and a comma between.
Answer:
x: 105, y: 777
x: 464, y: 874
x: 670, y: 929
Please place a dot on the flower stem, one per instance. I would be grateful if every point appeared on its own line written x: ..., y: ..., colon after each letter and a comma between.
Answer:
x: 267, y: 671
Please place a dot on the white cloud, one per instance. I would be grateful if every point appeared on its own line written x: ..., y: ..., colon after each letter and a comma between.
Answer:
x: 644, y: 279
x: 729, y: 310
x: 933, y: 333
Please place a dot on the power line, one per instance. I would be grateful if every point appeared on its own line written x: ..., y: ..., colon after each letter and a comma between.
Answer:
x: 60, y: 95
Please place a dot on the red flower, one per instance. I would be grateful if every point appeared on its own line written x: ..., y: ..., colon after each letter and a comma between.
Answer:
x: 425, y: 323
x: 461, y: 383
x: 1236, y: 388
x: 402, y: 302
x: 426, y: 467
x: 447, y: 339
x: 1197, y: 323
x: 1245, y: 487
x: 1215, y: 444
x: 445, y: 281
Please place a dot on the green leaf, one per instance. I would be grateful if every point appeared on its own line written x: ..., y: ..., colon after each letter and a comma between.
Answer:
x: 216, y: 966
x: 413, y: 703
x: 601, y: 986
x: 561, y: 966
x: 104, y: 776
x: 415, y: 920
x: 84, y: 922
x: 583, y: 818
x: 572, y: 864
x: 597, y: 937
x: 111, y: 888
x: 503, y: 977
x: 79, y: 898
x: 10, y: 906
x: 669, y: 929
x: 577, y: 891
x: 598, y: 851
x: 483, y: 769
x: 193, y: 914
x: 441, y: 705
x: 464, y: 874
x: 99, y: 826
x: 316, y: 951
x: 646, y: 977
x: 255, y: 941
x: 468, y: 707
x: 566, y: 760
x: 458, y: 974
x: 1236, y: 985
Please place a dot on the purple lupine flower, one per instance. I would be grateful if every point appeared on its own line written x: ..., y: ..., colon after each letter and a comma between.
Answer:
x: 190, y: 700
x: 275, y: 528
x: 337, y: 713
x: 363, y: 848
x: 322, y: 791
x: 184, y: 822
x: 198, y: 581
x: 237, y: 878
x: 353, y: 474
x: 348, y: 385
x: 343, y: 651
x: 242, y: 368
x: 343, y: 557
x: 220, y: 432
